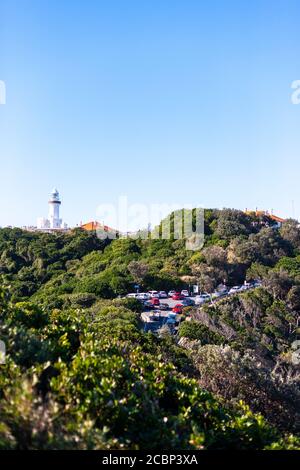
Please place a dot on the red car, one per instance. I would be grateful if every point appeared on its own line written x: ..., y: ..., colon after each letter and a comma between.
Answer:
x: 154, y: 301
x: 177, y: 308
x: 177, y: 296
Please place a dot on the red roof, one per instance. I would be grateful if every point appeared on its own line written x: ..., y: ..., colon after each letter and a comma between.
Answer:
x: 94, y: 225
x: 267, y: 214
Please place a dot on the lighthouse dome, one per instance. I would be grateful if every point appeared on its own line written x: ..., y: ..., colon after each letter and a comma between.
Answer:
x: 54, y: 195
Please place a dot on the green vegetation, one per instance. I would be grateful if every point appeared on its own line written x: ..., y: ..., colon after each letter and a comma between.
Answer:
x: 197, y: 331
x: 80, y: 371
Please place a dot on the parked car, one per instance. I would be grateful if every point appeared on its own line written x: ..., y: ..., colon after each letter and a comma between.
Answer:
x: 202, y: 298
x: 185, y: 293
x: 244, y: 287
x: 177, y: 308
x: 171, y: 318
x: 147, y: 304
x: 188, y: 302
x: 217, y: 294
x: 235, y: 289
x: 143, y: 296
x: 163, y: 306
x: 171, y: 293
x: 222, y: 289
x: 154, y: 294
x: 155, y: 316
x: 162, y: 294
x: 154, y: 301
x: 177, y: 296
x: 132, y: 296
x: 248, y: 285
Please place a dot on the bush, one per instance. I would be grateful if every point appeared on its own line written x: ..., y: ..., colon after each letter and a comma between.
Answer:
x: 196, y: 331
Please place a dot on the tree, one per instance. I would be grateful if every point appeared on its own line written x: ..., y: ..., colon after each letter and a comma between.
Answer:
x: 208, y: 277
x: 197, y: 331
x: 290, y: 231
x: 293, y: 298
x: 138, y: 270
x: 232, y: 223
x: 215, y: 256
x: 229, y: 374
x: 278, y: 283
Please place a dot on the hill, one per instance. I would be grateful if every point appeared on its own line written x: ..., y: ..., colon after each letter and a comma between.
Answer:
x: 80, y: 371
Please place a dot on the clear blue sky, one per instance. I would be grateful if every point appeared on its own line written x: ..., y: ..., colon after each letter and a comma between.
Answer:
x: 163, y: 101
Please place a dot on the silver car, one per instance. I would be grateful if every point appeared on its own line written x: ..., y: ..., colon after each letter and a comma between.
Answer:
x: 202, y: 298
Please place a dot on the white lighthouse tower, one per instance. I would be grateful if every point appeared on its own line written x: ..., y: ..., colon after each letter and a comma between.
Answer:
x: 53, y: 222
x: 53, y: 215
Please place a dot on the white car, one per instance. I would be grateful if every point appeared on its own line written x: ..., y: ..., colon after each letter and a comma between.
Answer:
x: 235, y: 289
x: 217, y: 294
x: 132, y: 296
x: 220, y: 293
x: 202, y: 298
x: 247, y: 285
x: 171, y: 293
x: 244, y: 287
x: 185, y: 293
x: 143, y: 296
x: 162, y: 294
x: 154, y: 294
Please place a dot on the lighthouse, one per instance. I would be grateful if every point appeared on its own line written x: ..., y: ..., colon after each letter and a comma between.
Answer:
x: 53, y: 222
x: 53, y: 215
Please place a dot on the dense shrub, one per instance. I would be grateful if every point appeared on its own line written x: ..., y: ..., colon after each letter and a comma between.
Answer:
x: 80, y: 371
x: 196, y: 331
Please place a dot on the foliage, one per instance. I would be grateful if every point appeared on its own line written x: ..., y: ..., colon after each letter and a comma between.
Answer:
x: 197, y: 331
x: 80, y: 371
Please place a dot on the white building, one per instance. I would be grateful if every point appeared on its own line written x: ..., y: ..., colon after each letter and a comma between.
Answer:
x: 54, y: 222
